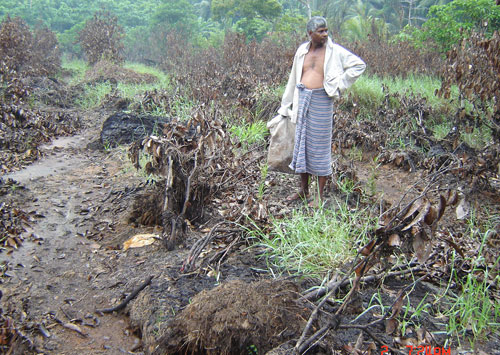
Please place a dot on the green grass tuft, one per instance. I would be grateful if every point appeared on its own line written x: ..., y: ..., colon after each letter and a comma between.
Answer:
x: 313, y: 243
x: 250, y: 133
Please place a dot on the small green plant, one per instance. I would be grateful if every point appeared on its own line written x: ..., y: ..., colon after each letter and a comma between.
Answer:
x: 371, y: 183
x: 355, y: 153
x: 478, y: 138
x: 441, y: 130
x: 250, y: 133
x: 346, y: 185
x: 263, y: 175
x: 107, y: 146
x: 252, y: 350
x: 411, y: 315
x: 182, y: 108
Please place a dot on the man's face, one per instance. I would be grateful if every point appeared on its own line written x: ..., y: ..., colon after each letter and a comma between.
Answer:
x: 320, y: 36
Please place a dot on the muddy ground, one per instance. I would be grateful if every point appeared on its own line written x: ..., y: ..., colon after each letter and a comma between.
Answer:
x: 78, y: 201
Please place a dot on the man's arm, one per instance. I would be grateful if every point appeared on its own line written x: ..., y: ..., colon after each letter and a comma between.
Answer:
x: 353, y: 68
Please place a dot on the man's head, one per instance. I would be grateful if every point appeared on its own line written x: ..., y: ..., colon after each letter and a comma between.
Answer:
x: 314, y: 23
x: 317, y: 30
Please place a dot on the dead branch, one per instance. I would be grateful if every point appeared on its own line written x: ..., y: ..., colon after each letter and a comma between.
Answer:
x: 130, y: 297
x: 198, y: 247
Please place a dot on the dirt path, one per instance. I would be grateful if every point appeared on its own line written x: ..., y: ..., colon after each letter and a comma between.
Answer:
x: 80, y: 198
x: 59, y: 276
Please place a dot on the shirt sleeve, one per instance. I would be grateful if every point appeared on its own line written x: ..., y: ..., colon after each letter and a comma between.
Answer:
x: 353, y: 67
x: 287, y: 99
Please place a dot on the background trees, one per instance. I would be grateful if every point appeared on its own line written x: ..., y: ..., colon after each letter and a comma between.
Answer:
x: 203, y: 22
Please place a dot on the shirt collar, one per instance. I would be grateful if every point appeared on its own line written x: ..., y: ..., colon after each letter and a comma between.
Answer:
x: 304, y: 49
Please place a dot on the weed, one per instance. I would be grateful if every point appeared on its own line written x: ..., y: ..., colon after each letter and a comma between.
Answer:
x: 182, y: 108
x: 441, y: 130
x: 371, y: 183
x: 472, y: 314
x: 164, y: 81
x: 313, y: 243
x: 263, y: 175
x: 355, y: 153
x: 77, y: 68
x: 411, y: 316
x: 252, y: 350
x: 93, y: 95
x: 478, y: 138
x: 346, y: 185
x: 250, y: 133
x: 107, y: 146
x: 367, y: 92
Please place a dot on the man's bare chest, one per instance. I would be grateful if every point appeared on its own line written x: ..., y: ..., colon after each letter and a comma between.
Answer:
x: 314, y: 61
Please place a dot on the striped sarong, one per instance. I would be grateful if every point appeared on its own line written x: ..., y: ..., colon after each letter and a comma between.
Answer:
x: 312, y: 152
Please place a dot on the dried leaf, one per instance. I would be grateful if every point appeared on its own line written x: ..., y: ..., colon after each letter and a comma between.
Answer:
x: 421, y: 246
x: 431, y: 216
x: 140, y: 240
x: 452, y: 198
x: 359, y: 342
x: 398, y: 304
x: 367, y: 249
x: 412, y: 208
x: 441, y: 206
x: 75, y: 328
x: 391, y: 325
x: 421, y: 215
x: 462, y: 209
x: 454, y: 246
x: 394, y: 240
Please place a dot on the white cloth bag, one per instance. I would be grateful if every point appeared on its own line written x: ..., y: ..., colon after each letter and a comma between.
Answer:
x: 281, y: 145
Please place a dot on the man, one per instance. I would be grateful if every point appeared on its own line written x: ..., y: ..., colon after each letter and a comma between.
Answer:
x: 321, y: 71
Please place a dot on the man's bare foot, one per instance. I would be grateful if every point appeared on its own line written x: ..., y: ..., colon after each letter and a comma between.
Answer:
x: 315, y: 203
x: 297, y: 196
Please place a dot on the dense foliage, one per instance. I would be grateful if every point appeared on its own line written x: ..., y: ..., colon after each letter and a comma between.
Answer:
x: 203, y: 22
x: 450, y: 23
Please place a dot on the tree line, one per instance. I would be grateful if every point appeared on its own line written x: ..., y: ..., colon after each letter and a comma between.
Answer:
x: 204, y: 22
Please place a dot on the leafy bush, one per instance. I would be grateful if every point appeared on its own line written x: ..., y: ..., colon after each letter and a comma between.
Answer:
x: 474, y: 67
x: 23, y: 53
x: 449, y: 24
x: 101, y: 38
x: 46, y: 57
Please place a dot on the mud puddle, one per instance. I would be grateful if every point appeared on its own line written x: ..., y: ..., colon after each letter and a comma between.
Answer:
x: 57, y: 160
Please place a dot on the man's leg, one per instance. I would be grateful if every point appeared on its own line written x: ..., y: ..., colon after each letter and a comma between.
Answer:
x: 304, y: 184
x: 321, y: 186
x: 318, y: 200
x: 303, y: 192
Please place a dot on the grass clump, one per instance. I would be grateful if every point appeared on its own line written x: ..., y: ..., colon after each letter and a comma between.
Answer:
x: 368, y: 90
x: 471, y: 313
x: 249, y: 133
x: 76, y: 68
x: 313, y: 243
x: 93, y: 95
x: 130, y: 90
